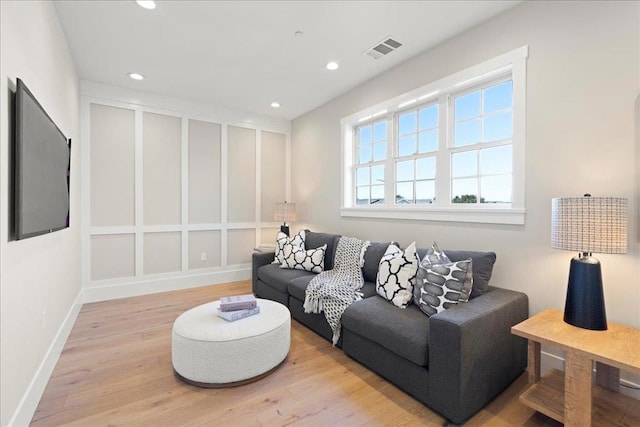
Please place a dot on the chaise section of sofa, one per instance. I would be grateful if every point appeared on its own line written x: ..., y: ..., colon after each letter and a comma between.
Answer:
x: 454, y: 362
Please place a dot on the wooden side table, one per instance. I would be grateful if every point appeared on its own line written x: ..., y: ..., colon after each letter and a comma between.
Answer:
x: 571, y: 398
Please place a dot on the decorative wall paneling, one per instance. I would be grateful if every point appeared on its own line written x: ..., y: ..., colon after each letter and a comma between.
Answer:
x: 175, y: 200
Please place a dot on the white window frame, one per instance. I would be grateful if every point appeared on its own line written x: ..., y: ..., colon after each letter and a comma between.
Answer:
x: 512, y: 63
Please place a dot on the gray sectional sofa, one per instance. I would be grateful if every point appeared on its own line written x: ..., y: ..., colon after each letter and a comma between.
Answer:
x: 454, y: 362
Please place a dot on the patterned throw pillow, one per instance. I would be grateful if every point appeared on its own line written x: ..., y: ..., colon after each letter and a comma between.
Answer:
x: 309, y: 260
x: 285, y: 245
x: 396, y: 272
x: 443, y: 286
x: 434, y: 256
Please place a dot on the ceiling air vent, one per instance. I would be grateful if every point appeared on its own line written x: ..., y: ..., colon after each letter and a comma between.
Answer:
x: 386, y: 46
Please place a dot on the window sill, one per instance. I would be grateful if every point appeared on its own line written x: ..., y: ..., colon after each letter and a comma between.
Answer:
x: 509, y: 216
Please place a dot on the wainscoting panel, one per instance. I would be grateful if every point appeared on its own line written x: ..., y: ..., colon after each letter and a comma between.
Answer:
x: 240, y: 246
x: 112, y: 166
x: 112, y: 256
x: 207, y: 243
x: 204, y: 172
x: 241, y: 174
x: 268, y: 236
x: 162, y: 175
x: 162, y: 252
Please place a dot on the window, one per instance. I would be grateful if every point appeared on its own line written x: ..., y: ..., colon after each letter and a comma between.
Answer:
x: 372, y: 152
x: 450, y: 150
x: 481, y: 158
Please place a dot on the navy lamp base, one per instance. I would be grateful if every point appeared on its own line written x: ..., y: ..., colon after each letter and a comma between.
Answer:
x: 584, y: 306
x: 285, y: 228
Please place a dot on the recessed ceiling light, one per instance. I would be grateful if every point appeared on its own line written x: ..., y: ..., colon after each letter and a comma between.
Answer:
x: 147, y: 4
x: 298, y: 34
x: 136, y: 76
x: 333, y: 65
x: 275, y: 104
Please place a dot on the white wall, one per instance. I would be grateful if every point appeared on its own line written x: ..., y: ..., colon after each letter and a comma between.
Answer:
x: 41, y: 274
x: 583, y: 80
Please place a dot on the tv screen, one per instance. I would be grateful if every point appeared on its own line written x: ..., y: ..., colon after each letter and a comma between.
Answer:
x: 41, y: 169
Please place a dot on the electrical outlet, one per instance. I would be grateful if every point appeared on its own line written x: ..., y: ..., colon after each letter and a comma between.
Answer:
x: 203, y: 256
x: 44, y: 317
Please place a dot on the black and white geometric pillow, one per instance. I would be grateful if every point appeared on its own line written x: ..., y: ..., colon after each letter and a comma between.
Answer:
x: 285, y: 245
x: 396, y: 272
x: 434, y: 256
x: 443, y: 286
x: 309, y: 260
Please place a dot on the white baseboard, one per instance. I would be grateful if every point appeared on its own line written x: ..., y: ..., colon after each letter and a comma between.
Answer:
x: 550, y: 361
x: 29, y: 402
x: 121, y: 289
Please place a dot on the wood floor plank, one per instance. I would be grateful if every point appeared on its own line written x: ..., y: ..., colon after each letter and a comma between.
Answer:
x: 115, y: 369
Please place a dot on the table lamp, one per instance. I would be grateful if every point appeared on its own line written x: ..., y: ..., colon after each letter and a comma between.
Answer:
x: 586, y: 225
x: 285, y: 212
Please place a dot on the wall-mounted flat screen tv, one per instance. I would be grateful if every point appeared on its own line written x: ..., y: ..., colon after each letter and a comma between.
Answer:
x: 41, y: 169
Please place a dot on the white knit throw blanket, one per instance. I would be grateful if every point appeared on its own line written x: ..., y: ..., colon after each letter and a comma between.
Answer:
x: 332, y: 291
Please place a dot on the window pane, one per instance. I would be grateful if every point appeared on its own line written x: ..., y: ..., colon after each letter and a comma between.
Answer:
x: 404, y: 193
x: 495, y: 160
x: 464, y: 190
x: 365, y: 154
x: 404, y: 171
x: 495, y: 189
x: 426, y: 168
x: 379, y: 151
x: 464, y: 164
x: 428, y: 141
x: 377, y: 194
x: 498, y: 97
x: 429, y: 117
x: 467, y: 106
x: 365, y: 135
x: 407, y: 123
x: 362, y: 176
x: 425, y: 192
x: 498, y: 126
x: 362, y: 196
x: 467, y: 133
x: 377, y: 174
x: 380, y: 132
x: 407, y: 146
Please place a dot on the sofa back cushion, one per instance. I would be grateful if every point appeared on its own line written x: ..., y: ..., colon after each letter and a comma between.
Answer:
x: 315, y: 240
x: 482, y: 267
x: 372, y: 257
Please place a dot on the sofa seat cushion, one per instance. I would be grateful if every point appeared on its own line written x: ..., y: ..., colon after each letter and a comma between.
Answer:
x: 298, y: 286
x: 279, y: 278
x: 403, y: 331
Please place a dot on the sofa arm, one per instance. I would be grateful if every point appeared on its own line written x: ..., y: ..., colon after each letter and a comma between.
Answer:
x: 472, y: 354
x: 258, y: 259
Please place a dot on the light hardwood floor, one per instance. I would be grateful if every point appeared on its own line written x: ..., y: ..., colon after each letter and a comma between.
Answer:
x: 116, y: 369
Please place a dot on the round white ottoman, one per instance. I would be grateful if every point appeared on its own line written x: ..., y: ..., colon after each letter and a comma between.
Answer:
x: 208, y: 351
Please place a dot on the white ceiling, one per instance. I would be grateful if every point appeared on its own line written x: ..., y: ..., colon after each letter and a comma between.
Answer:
x: 244, y: 55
